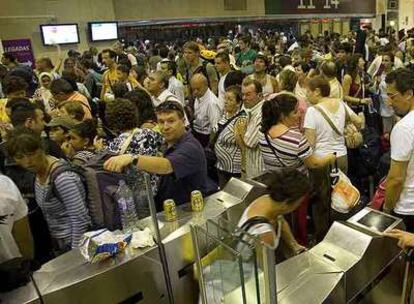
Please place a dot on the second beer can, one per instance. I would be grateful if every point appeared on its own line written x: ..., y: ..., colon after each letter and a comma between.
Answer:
x: 197, y: 201
x: 170, y: 210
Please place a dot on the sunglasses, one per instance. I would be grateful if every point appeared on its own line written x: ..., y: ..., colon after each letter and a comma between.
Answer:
x: 169, y: 106
x: 391, y: 96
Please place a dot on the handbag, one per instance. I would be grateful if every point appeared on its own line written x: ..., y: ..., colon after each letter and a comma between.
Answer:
x: 353, y: 137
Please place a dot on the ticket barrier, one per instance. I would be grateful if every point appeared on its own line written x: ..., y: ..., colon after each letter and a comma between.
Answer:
x: 232, y: 257
x: 355, y: 263
x: 137, y: 276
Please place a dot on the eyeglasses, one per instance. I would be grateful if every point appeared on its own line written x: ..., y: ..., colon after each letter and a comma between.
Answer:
x: 392, y: 95
x: 170, y: 106
x: 20, y: 156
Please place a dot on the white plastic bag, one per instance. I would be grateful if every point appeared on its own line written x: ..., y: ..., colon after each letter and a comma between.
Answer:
x: 344, y: 195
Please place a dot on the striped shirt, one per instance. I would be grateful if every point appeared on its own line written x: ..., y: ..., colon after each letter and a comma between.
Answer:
x: 82, y: 157
x: 227, y: 151
x: 254, y: 159
x: 291, y: 149
x: 66, y: 216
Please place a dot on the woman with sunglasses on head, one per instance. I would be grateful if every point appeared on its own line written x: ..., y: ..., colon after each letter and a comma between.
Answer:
x: 324, y: 128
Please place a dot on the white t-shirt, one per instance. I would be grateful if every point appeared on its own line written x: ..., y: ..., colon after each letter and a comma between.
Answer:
x: 327, y: 140
x: 12, y: 208
x: 259, y: 229
x: 402, y: 149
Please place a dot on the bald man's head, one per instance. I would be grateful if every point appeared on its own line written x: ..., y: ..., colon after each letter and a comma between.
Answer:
x: 328, y: 69
x: 199, y: 85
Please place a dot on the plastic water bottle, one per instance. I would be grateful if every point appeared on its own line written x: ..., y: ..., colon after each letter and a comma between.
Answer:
x: 126, y: 204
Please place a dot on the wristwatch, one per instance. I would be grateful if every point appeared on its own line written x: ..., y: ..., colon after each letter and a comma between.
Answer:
x: 135, y: 160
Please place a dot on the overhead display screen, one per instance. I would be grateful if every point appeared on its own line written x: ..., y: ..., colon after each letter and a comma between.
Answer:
x: 101, y: 31
x: 59, y: 34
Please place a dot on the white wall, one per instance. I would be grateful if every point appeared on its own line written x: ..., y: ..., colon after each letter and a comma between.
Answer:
x: 406, y: 14
x: 21, y: 19
x: 170, y: 9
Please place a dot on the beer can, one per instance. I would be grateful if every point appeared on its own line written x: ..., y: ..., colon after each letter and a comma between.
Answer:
x: 170, y: 210
x: 197, y: 201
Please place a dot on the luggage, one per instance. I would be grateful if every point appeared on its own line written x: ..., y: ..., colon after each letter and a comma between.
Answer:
x: 369, y: 152
x: 101, y: 186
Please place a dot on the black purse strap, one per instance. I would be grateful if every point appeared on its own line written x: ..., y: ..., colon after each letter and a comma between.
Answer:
x: 273, y: 150
x: 253, y: 221
x: 221, y: 129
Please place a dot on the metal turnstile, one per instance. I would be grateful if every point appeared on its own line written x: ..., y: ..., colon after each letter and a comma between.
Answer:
x: 355, y: 263
x: 24, y: 295
x: 137, y: 276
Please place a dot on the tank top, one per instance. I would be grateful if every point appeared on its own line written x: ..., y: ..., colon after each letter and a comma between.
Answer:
x: 268, y: 86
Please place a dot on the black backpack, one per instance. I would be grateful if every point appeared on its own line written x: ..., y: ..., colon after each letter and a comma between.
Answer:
x: 369, y: 152
x: 14, y: 273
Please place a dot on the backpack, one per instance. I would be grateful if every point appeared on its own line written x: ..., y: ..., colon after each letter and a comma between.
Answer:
x: 369, y: 152
x: 100, y: 187
x: 14, y: 273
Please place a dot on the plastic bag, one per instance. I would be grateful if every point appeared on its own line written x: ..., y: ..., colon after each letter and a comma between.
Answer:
x: 344, y: 195
x: 102, y: 244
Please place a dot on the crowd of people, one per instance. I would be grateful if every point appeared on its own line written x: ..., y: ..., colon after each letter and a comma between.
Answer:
x: 193, y: 115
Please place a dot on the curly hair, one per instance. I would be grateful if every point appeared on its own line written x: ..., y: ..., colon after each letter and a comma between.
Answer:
x: 143, y: 102
x: 12, y: 84
x: 236, y: 91
x: 121, y: 115
x: 288, y: 186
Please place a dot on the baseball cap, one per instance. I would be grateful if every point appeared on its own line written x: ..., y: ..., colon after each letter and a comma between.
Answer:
x: 63, y: 122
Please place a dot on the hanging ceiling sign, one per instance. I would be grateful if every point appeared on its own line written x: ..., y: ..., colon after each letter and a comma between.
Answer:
x: 300, y: 7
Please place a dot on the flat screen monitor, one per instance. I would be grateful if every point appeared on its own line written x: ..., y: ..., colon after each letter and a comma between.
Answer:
x: 103, y: 31
x: 59, y: 33
x: 374, y: 221
x: 377, y: 222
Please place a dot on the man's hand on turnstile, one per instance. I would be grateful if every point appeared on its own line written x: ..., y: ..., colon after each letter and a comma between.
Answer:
x: 405, y: 239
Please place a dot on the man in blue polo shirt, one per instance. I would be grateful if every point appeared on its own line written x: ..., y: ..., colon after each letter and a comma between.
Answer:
x: 183, y: 167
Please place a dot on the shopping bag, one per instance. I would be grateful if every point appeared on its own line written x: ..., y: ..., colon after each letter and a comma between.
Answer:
x: 344, y: 195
